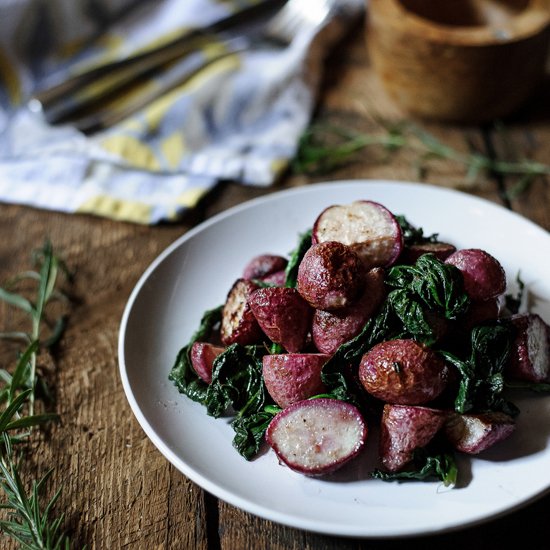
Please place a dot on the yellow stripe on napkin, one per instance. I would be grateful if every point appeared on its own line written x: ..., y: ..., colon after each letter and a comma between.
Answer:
x: 132, y: 150
x: 117, y: 209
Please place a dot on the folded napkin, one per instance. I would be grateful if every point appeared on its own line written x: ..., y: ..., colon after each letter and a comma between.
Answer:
x: 239, y: 118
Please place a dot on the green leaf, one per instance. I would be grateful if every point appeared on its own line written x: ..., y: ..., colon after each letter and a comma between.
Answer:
x: 414, y: 235
x: 481, y: 381
x: 291, y: 271
x: 182, y: 373
x: 17, y: 301
x: 34, y: 420
x: 237, y: 382
x: 13, y: 408
x: 250, y: 431
x: 425, y: 468
x: 20, y: 374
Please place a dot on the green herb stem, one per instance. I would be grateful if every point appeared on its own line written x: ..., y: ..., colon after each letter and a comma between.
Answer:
x: 28, y: 522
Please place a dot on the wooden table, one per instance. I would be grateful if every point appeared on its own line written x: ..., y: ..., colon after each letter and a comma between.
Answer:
x: 118, y: 490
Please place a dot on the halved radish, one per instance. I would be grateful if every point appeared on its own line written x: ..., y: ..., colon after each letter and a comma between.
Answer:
x: 474, y: 433
x: 239, y: 326
x: 405, y: 428
x: 202, y: 356
x: 291, y: 377
x: 530, y: 354
x: 283, y: 315
x: 317, y: 436
x: 369, y: 228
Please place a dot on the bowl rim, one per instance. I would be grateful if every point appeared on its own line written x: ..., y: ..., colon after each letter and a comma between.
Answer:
x: 533, y: 20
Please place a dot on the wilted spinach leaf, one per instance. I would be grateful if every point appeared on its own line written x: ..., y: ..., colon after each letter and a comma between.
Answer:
x: 182, y: 374
x: 291, y: 271
x: 414, y: 235
x: 436, y: 285
x: 237, y: 381
x: 425, y: 466
x: 481, y: 372
x: 250, y: 430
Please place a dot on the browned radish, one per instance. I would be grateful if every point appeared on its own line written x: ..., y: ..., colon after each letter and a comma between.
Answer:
x: 412, y: 252
x: 330, y: 329
x: 484, y: 277
x: 405, y: 428
x: 239, y: 326
x: 263, y: 265
x: 292, y: 377
x: 530, y: 354
x: 403, y: 372
x: 473, y: 433
x: 202, y: 358
x: 330, y: 276
x: 369, y: 228
x: 283, y: 315
x: 317, y: 436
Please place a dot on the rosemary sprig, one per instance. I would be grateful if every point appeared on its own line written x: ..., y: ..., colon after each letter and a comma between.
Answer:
x: 27, y: 520
x: 28, y: 523
x: 324, y: 148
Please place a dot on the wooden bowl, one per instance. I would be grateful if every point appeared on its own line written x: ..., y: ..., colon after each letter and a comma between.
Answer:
x: 459, y: 60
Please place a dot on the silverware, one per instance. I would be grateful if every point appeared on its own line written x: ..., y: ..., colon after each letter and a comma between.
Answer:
x: 104, y: 95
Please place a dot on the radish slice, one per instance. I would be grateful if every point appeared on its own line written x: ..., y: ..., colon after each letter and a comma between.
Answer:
x: 369, y: 228
x: 317, y: 436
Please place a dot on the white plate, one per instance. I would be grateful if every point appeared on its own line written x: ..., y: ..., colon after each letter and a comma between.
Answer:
x: 195, y: 273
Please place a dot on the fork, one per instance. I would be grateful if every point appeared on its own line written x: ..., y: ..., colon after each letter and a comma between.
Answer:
x: 106, y: 94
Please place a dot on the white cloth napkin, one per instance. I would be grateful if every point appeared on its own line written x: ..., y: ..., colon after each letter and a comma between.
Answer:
x: 240, y: 118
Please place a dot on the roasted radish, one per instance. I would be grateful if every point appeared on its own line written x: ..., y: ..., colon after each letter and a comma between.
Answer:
x: 330, y: 329
x: 412, y: 252
x: 405, y: 428
x: 330, y: 276
x: 283, y: 315
x: 317, y: 436
x: 239, y: 326
x: 403, y: 372
x: 484, y: 277
x: 292, y: 377
x: 202, y: 357
x: 530, y: 355
x: 369, y: 228
x: 264, y: 265
x: 473, y: 433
